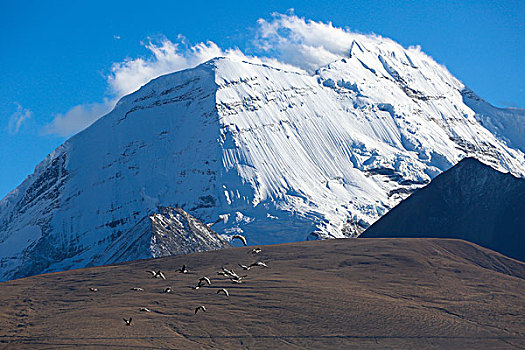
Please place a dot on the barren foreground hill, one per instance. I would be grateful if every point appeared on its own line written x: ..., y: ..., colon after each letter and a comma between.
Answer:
x: 370, y: 293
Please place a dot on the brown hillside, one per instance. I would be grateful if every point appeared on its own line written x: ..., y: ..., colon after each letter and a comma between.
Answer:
x: 369, y: 293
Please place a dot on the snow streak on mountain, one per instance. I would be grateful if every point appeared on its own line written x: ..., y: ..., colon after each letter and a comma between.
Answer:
x: 278, y: 156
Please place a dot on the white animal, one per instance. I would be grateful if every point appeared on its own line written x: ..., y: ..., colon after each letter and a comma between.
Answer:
x: 202, y: 307
x: 243, y: 240
x: 230, y: 272
x: 259, y: 263
x: 205, y: 279
x: 244, y: 267
x: 237, y: 280
x: 157, y: 274
x: 223, y: 290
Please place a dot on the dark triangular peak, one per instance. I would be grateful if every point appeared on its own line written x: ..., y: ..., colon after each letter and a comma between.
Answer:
x: 470, y: 201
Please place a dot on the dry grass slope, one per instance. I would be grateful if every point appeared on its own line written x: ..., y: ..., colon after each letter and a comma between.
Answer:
x: 370, y: 293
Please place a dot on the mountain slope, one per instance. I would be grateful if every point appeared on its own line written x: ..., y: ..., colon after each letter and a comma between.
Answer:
x: 337, y: 294
x: 170, y: 232
x: 470, y: 201
x: 506, y: 123
x: 279, y: 156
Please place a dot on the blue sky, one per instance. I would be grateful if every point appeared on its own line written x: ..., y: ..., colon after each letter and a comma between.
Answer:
x: 57, y: 55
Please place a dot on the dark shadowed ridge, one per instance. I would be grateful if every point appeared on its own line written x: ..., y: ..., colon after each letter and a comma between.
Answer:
x: 470, y: 201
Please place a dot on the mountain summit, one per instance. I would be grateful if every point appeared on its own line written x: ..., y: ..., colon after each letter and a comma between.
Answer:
x: 279, y: 156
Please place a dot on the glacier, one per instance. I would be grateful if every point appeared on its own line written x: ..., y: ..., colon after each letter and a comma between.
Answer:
x: 276, y: 155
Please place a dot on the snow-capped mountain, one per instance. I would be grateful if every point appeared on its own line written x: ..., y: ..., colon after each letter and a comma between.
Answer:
x: 279, y: 156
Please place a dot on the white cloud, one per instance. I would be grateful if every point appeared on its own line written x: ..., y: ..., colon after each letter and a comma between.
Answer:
x: 286, y: 41
x: 18, y: 118
x: 78, y: 118
x: 303, y: 43
x: 129, y: 75
x: 167, y: 57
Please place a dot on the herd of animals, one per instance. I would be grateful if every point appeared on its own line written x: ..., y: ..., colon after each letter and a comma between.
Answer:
x: 203, y: 281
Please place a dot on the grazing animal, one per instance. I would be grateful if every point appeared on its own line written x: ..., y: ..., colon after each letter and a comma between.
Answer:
x: 223, y: 290
x: 93, y: 289
x: 243, y: 240
x: 205, y: 279
x: 202, y: 307
x: 255, y: 251
x: 157, y: 274
x: 168, y: 290
x: 183, y: 269
x: 137, y: 289
x: 128, y: 322
x: 145, y: 309
x: 244, y: 267
x: 259, y: 263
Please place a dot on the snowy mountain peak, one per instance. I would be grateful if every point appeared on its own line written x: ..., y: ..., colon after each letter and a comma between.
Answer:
x: 279, y: 156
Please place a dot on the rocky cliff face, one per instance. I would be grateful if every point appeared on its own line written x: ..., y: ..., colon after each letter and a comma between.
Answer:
x: 170, y: 232
x: 276, y: 155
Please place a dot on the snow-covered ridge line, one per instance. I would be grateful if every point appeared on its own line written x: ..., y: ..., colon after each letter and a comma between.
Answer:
x: 278, y: 156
